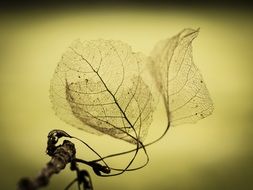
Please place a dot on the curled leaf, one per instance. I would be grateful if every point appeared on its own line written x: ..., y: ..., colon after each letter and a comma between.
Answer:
x: 179, y: 80
x: 98, y: 88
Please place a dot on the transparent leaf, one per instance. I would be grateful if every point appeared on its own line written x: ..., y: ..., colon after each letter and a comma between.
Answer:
x: 179, y: 80
x: 98, y: 88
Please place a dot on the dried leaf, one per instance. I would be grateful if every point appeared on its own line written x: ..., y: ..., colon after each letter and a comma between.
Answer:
x: 98, y: 88
x: 179, y: 80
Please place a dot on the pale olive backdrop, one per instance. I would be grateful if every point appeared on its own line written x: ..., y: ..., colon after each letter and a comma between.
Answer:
x: 214, y: 154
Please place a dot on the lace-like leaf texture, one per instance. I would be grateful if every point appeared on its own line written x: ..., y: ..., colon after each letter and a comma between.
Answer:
x: 179, y: 80
x: 97, y: 87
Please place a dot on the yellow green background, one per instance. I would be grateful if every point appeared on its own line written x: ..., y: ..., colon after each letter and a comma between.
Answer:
x: 214, y: 154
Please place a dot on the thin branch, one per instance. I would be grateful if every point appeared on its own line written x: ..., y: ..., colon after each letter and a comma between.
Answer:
x: 62, y: 155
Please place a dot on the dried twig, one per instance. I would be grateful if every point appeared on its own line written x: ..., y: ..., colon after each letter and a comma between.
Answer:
x: 60, y: 156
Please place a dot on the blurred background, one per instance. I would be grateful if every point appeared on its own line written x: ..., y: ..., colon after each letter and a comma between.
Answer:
x: 215, y: 153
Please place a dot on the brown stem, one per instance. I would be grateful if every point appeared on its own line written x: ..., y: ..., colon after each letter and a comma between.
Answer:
x: 63, y: 155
